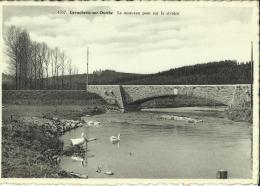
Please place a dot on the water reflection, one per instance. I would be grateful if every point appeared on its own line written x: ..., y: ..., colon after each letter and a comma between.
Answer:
x: 152, y: 148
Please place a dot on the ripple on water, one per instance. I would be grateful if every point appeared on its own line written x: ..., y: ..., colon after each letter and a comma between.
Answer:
x: 153, y: 148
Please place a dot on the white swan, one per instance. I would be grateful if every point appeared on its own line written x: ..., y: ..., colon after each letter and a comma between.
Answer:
x: 115, y: 139
x: 93, y: 123
x: 90, y: 123
x: 76, y: 158
x: 79, y: 141
x: 96, y: 123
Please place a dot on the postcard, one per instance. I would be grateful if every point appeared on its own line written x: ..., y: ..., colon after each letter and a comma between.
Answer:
x: 130, y: 92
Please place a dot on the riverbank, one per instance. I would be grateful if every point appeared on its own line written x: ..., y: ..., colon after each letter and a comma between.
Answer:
x: 239, y: 114
x: 32, y: 122
x: 30, y: 137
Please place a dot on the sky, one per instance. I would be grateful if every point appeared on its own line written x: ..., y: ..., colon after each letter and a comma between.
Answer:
x: 139, y: 44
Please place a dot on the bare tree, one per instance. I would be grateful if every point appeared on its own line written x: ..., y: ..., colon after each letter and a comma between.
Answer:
x: 30, y: 60
x: 62, y: 65
x: 44, y: 63
x: 41, y: 56
x: 52, y: 58
x: 11, y: 39
x: 24, y: 56
x: 47, y: 60
x: 56, y: 66
x: 69, y: 71
x: 35, y: 51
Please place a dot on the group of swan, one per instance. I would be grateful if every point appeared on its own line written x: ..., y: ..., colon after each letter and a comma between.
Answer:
x: 83, y: 139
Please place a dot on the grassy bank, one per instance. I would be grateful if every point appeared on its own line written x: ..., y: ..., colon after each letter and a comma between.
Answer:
x: 28, y: 151
x: 30, y: 148
x: 50, y: 97
x: 239, y: 114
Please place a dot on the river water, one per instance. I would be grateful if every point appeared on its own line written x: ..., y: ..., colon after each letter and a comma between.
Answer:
x: 155, y: 148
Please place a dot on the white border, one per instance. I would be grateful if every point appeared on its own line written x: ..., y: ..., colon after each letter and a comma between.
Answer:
x: 152, y: 4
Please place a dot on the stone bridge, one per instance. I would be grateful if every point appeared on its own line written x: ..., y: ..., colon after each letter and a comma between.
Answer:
x: 130, y: 97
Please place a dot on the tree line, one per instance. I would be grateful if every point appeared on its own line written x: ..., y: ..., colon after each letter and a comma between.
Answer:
x: 214, y: 73
x: 217, y: 72
x: 34, y: 65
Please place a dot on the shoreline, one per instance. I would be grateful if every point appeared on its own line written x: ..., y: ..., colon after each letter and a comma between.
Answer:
x: 31, y: 145
x: 33, y: 132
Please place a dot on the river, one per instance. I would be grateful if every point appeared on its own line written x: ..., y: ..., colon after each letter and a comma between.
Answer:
x: 154, y: 148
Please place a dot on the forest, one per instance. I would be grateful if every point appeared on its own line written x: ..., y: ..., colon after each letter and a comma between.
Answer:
x: 220, y: 72
x: 34, y: 65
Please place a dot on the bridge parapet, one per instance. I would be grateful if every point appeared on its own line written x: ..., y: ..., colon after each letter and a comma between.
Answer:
x: 126, y: 96
x: 222, y: 94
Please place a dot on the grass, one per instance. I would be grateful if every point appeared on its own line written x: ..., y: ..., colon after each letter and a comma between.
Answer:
x: 30, y: 150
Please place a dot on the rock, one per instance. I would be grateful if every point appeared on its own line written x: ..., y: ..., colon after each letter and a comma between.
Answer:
x: 108, y: 173
x: 63, y: 120
x: 80, y: 124
x: 85, y: 119
x: 90, y: 123
x: 55, y: 119
x: 180, y: 118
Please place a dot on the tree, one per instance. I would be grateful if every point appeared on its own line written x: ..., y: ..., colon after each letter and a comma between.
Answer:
x: 35, y: 51
x: 47, y: 59
x: 30, y: 60
x: 24, y: 56
x: 56, y: 66
x: 41, y: 57
x: 62, y: 65
x: 11, y: 39
x: 52, y: 67
x: 69, y: 71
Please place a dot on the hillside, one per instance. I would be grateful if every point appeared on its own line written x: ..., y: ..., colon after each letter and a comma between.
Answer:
x: 223, y: 72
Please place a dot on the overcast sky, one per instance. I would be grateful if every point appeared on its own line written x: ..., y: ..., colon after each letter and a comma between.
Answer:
x: 140, y: 44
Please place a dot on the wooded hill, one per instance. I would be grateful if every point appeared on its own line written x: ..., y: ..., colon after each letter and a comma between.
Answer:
x: 223, y: 72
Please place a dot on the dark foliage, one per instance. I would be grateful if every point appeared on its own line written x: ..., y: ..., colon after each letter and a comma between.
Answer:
x: 222, y: 72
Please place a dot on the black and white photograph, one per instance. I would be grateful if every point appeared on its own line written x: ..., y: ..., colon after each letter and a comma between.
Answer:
x: 106, y: 91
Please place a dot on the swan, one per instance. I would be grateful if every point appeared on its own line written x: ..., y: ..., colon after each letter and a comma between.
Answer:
x: 79, y: 141
x: 96, y: 123
x: 104, y: 172
x: 115, y: 139
x: 90, y: 123
x: 75, y: 158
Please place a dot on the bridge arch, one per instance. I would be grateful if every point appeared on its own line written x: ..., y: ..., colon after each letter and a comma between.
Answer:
x: 129, y: 97
x: 188, y: 99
